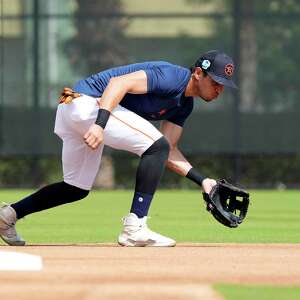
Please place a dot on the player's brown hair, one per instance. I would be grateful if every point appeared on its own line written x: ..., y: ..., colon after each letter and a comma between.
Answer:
x: 192, y: 69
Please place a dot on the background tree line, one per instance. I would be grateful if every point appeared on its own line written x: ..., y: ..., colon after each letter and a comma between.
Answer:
x: 264, y: 38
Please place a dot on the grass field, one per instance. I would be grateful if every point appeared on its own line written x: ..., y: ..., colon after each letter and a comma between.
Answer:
x: 273, y: 218
x: 234, y: 292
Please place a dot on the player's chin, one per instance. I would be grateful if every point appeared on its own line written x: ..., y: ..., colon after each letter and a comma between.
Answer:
x: 210, y: 98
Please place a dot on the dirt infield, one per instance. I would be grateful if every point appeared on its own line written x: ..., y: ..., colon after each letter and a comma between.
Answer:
x: 107, y: 271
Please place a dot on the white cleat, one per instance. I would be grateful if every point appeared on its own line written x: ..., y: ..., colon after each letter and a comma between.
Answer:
x: 137, y: 234
x: 8, y: 234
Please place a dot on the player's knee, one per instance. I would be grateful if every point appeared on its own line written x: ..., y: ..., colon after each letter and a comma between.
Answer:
x: 82, y: 193
x: 160, y: 147
x: 164, y: 147
x: 75, y: 193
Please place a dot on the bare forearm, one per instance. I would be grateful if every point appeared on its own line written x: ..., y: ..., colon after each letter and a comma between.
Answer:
x: 118, y: 87
x: 178, y: 163
x: 112, y: 95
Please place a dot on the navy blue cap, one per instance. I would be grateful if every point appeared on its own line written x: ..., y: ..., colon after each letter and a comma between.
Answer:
x: 218, y: 66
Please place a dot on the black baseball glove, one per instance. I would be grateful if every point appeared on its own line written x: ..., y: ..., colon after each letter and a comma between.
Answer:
x: 227, y: 203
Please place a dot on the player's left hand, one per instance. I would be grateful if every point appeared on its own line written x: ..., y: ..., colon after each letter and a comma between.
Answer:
x: 208, y: 184
x: 94, y: 136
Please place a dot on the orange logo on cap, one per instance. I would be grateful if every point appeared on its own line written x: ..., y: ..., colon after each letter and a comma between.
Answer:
x: 229, y: 69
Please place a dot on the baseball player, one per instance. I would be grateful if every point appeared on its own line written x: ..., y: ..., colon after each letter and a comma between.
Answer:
x: 113, y: 108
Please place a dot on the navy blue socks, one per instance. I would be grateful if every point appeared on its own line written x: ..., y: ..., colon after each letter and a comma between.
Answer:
x: 140, y: 204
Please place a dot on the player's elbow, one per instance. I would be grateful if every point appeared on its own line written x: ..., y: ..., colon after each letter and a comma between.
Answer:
x: 173, y: 146
x: 113, y: 82
x: 118, y: 84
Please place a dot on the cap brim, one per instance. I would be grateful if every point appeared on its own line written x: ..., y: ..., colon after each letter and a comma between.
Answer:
x: 223, y: 81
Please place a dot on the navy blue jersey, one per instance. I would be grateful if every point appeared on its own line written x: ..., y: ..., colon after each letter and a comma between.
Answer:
x: 164, y: 100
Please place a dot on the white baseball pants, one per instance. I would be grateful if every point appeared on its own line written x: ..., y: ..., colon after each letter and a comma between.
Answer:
x: 125, y: 130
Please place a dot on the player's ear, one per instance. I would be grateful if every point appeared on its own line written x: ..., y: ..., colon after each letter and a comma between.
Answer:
x: 197, y: 73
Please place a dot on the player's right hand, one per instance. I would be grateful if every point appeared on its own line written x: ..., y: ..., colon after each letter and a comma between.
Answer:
x: 94, y: 136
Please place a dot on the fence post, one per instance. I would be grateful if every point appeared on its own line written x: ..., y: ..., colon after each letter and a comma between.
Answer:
x: 36, y: 91
x: 2, y: 74
x: 236, y: 92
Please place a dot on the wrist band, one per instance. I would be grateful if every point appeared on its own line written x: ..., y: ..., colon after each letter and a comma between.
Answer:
x: 102, y: 117
x: 195, y: 176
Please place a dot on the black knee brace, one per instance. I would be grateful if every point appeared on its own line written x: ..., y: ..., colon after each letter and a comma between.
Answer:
x: 161, y: 146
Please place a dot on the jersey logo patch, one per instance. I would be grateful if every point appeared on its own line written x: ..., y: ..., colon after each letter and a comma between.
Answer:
x: 158, y: 114
x: 162, y: 112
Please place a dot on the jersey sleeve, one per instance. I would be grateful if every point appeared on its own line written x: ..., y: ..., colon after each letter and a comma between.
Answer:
x: 166, y: 80
x: 180, y: 118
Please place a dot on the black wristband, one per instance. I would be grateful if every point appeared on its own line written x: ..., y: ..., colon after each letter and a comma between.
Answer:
x: 102, y: 117
x: 195, y: 176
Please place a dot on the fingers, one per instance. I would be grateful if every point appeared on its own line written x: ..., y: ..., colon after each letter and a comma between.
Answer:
x: 213, y: 182
x: 94, y: 136
x: 92, y: 141
x: 208, y: 184
x: 86, y: 135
